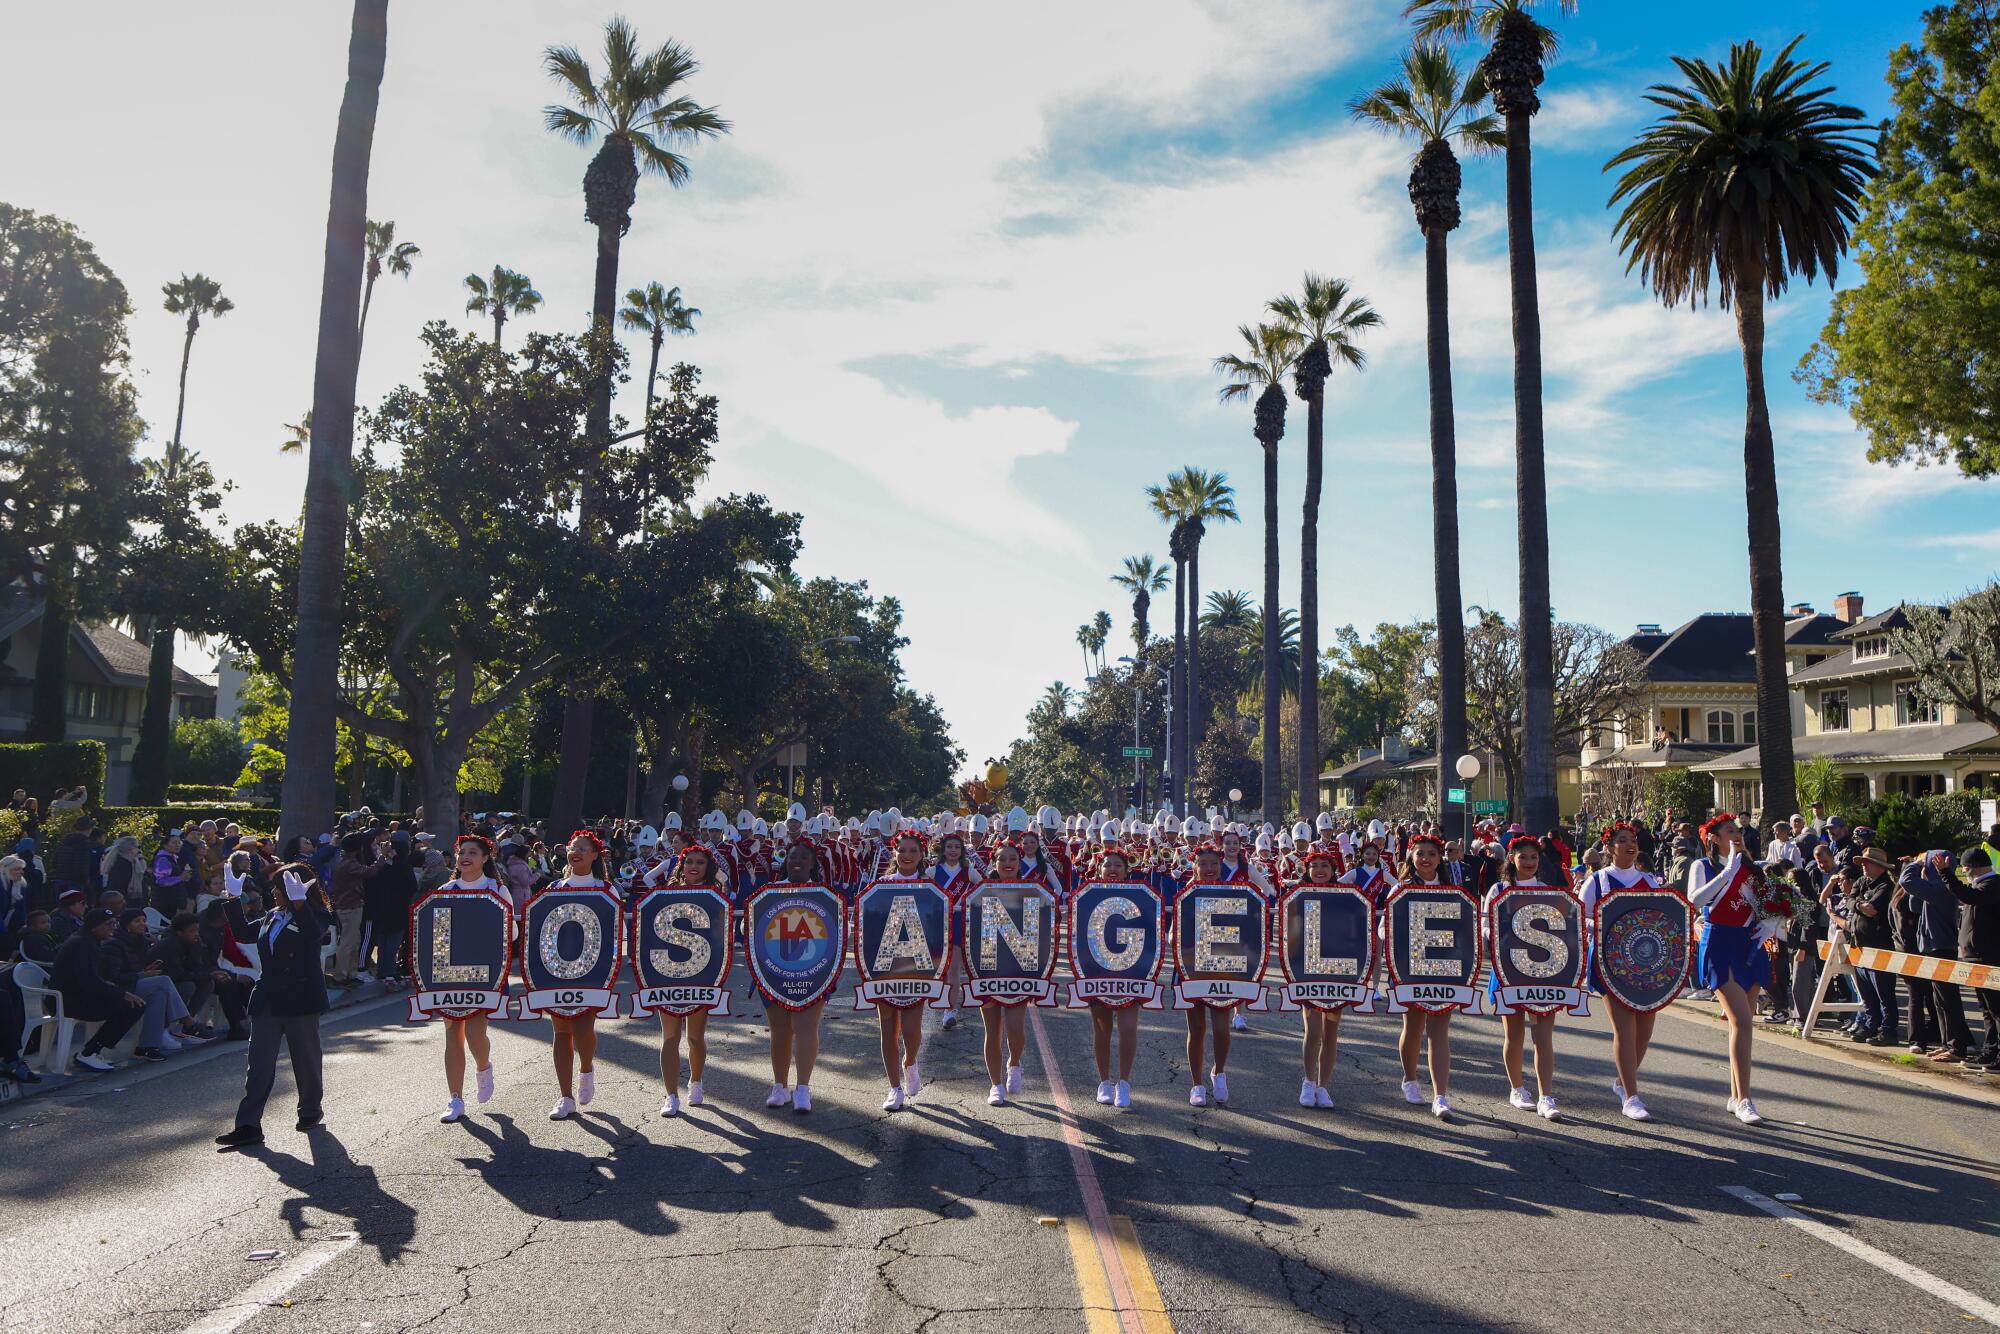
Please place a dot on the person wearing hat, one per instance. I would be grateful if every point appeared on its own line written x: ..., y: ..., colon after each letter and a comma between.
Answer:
x: 1870, y: 915
x: 1923, y: 885
x: 67, y: 920
x: 284, y: 1008
x: 88, y: 993
x: 1978, y: 892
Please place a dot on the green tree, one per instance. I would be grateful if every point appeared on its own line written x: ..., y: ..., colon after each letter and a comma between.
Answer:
x: 192, y: 296
x: 1228, y: 609
x: 1955, y: 652
x: 322, y: 554
x: 1190, y: 500
x: 656, y: 311
x: 1752, y: 174
x: 1367, y: 680
x: 639, y: 115
x: 1436, y: 107
x: 1689, y: 795
x: 503, y: 296
x: 208, y: 751
x: 1270, y: 351
x: 1518, y: 48
x: 1142, y: 577
x: 385, y: 255
x: 1908, y: 349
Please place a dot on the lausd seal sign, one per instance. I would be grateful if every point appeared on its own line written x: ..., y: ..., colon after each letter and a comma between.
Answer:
x: 1222, y: 935
x: 680, y: 950
x: 1114, y: 944
x: 1537, y: 936
x: 1008, y: 932
x: 796, y: 938
x: 902, y: 943
x: 460, y: 940
x: 1642, y: 940
x: 1327, y: 948
x: 1433, y: 952
x: 573, y: 952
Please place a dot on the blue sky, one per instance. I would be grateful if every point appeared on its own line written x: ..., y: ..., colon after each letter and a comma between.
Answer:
x: 964, y: 269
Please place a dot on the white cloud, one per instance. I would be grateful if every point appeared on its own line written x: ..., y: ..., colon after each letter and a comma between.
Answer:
x: 1601, y: 115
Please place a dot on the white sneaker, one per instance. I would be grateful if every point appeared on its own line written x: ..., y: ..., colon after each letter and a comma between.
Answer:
x: 913, y: 1080
x: 1306, y: 1090
x: 1746, y: 1112
x: 694, y: 1093
x: 1440, y: 1107
x: 1321, y: 1098
x: 1220, y: 1083
x: 1104, y: 1092
x: 672, y: 1106
x: 92, y: 1061
x: 1197, y: 1096
x: 894, y: 1102
x: 1237, y: 1023
x: 780, y: 1095
x: 1701, y: 993
x: 1636, y: 1109
x: 1732, y: 1104
x: 802, y: 1099
x: 564, y: 1109
x: 168, y: 1042
x: 483, y: 1084
x: 1013, y: 1079
x: 1521, y: 1099
x: 1545, y: 1107
x: 452, y: 1111
x: 948, y: 1020
x: 996, y: 1096
x: 1618, y: 1089
x: 586, y: 1087
x: 1122, y: 1097
x: 1413, y: 1092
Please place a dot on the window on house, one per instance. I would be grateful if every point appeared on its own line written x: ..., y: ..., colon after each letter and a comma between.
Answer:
x: 1721, y: 727
x: 1833, y: 710
x: 86, y: 702
x: 1873, y: 646
x: 1913, y: 709
x: 1915, y: 785
x: 1749, y: 727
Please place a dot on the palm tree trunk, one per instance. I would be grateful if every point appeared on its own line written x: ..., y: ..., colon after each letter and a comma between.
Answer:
x: 48, y: 703
x: 1194, y: 719
x: 149, y: 756
x: 653, y: 373
x: 1176, y: 747
x: 1273, y: 783
x: 361, y: 325
x: 499, y: 322
x: 1444, y: 529
x: 1309, y: 756
x: 180, y: 404
x: 573, y: 765
x: 1531, y: 499
x: 309, y: 776
x: 1767, y: 575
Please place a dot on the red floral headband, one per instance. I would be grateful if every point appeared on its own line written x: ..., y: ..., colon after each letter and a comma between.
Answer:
x: 1721, y: 818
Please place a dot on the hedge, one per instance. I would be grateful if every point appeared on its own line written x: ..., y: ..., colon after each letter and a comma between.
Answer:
x: 179, y: 794
x: 144, y: 822
x: 45, y: 768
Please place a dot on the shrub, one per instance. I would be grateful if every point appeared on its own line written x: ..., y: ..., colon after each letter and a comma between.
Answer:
x: 47, y: 767
x: 1906, y: 826
x: 1688, y: 792
x: 181, y: 794
x: 147, y: 822
x: 206, y: 751
x: 12, y: 827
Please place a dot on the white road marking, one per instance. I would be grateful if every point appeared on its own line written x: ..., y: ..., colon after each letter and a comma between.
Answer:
x: 233, y: 1315
x: 1971, y: 1303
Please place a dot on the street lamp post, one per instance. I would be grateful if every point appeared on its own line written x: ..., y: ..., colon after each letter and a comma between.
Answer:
x: 1468, y: 769
x: 1138, y: 778
x: 680, y: 793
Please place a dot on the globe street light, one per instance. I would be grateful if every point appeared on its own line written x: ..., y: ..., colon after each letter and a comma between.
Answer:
x: 1468, y: 769
x: 1468, y: 766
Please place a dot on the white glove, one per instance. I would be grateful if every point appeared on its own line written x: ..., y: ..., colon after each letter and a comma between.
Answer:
x: 295, y: 888
x: 232, y: 883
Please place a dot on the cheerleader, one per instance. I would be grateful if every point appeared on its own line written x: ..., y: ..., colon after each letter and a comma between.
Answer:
x: 1523, y: 870
x: 1114, y: 867
x: 1369, y: 873
x: 1731, y: 961
x: 902, y: 1025
x: 474, y: 858
x: 1007, y: 1025
x: 1631, y: 1030
x: 696, y: 866
x: 1322, y: 1027
x: 1421, y: 1029
x: 575, y: 1047
x: 795, y: 1033
x: 1208, y: 1021
x: 955, y: 875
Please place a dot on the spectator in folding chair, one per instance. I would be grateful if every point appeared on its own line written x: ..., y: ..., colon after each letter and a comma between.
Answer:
x: 37, y: 943
x: 128, y: 961
x: 88, y: 994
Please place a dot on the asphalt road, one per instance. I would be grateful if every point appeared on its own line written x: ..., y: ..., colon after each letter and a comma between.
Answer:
x: 117, y: 1214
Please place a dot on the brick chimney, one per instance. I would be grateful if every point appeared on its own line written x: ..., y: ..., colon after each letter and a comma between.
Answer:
x: 1847, y: 607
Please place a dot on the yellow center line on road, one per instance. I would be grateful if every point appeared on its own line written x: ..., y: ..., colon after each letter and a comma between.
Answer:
x: 1145, y: 1292
x: 1099, y: 1316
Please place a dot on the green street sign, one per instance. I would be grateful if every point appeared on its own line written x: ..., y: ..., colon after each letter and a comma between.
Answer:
x: 1489, y: 808
x: 1138, y: 752
x: 1455, y: 794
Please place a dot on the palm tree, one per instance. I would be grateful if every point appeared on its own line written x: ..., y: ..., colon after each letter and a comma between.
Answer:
x: 1058, y: 697
x: 1753, y: 175
x: 1289, y: 654
x: 1083, y: 638
x: 1512, y: 70
x: 1142, y: 577
x: 656, y: 311
x: 1190, y: 499
x: 385, y: 253
x: 298, y: 435
x: 642, y: 116
x: 309, y: 747
x: 1100, y: 635
x: 502, y: 296
x: 1269, y: 353
x: 1326, y: 318
x: 1177, y: 687
x: 193, y: 296
x: 1228, y: 608
x: 1433, y: 105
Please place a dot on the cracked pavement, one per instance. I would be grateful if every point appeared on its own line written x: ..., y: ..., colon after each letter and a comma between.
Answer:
x: 117, y: 1215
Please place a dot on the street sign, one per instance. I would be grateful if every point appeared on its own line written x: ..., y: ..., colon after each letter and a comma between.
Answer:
x: 1456, y: 794
x: 1138, y: 752
x: 1489, y: 808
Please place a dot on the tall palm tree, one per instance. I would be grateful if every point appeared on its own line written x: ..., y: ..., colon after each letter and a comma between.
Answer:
x: 1751, y: 175
x: 1083, y: 638
x: 385, y: 254
x: 1058, y: 697
x: 1142, y: 577
x: 656, y: 311
x: 192, y: 296
x: 309, y: 747
x: 298, y: 434
x: 1258, y: 372
x: 1100, y: 635
x: 1177, y: 687
x: 502, y: 296
x: 640, y: 117
x: 1288, y: 654
x: 1227, y: 609
x: 1435, y: 106
x: 1519, y: 46
x: 1191, y: 499
x: 1326, y: 317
